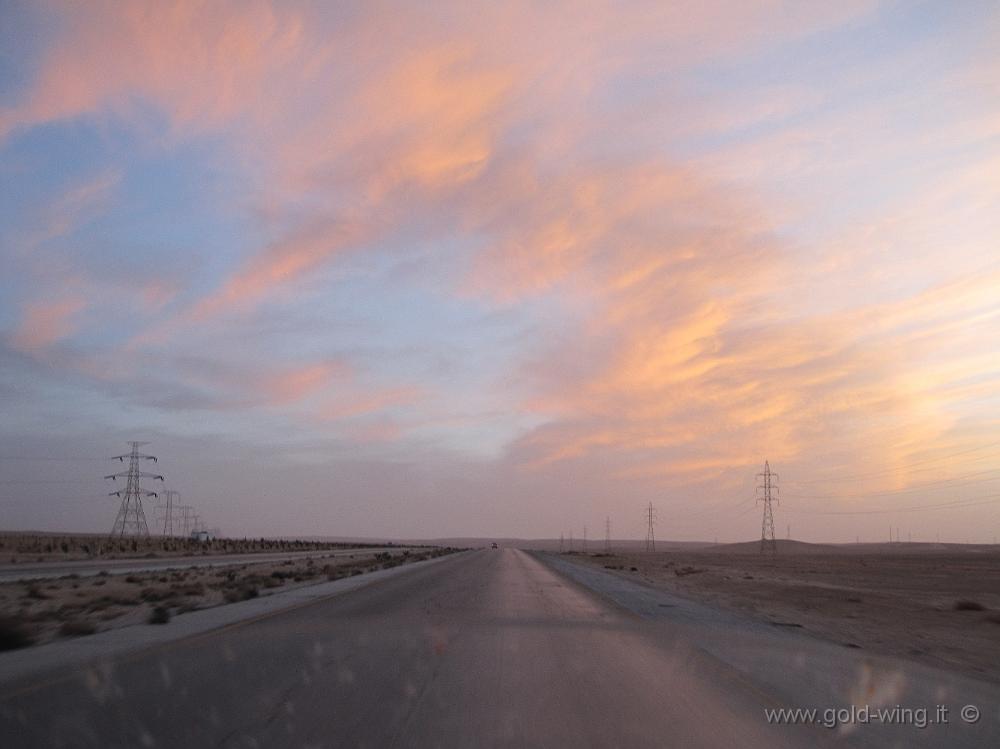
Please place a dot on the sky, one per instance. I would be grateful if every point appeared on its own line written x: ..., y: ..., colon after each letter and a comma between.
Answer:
x: 504, y: 269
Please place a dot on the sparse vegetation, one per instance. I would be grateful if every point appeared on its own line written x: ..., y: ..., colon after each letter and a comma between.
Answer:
x: 71, y: 606
x: 76, y: 628
x: 13, y: 634
x: 935, y: 607
x: 159, y: 615
x: 968, y: 605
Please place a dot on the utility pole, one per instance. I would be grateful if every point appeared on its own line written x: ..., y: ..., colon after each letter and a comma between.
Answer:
x: 168, y: 511
x: 770, y: 489
x: 650, y: 521
x: 562, y: 543
x: 584, y: 539
x: 187, y: 514
x: 131, y: 520
x: 607, y: 535
x: 571, y: 540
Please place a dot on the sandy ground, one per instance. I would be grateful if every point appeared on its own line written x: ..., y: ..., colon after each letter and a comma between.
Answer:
x: 941, y: 609
x: 38, y: 611
x: 19, y: 548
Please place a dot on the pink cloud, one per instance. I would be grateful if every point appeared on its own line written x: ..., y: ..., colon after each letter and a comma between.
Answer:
x: 44, y: 323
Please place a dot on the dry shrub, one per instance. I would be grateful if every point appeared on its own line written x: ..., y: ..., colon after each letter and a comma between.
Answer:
x: 13, y: 634
x: 159, y: 615
x: 967, y: 605
x: 76, y: 628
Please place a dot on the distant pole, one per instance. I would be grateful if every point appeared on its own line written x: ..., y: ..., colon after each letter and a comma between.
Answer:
x: 650, y: 521
x: 607, y: 535
x: 131, y: 520
x: 168, y: 511
x: 789, y: 531
x: 562, y: 543
x: 770, y: 489
x: 571, y: 540
x: 187, y: 513
x: 584, y: 539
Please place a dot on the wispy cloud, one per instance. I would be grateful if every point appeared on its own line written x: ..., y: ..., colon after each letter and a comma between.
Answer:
x: 705, y: 255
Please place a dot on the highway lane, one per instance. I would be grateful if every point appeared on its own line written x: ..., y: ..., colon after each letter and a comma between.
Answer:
x: 487, y: 648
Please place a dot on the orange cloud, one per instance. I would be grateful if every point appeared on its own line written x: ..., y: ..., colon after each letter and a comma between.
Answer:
x: 46, y: 322
x: 364, y: 403
x: 296, y: 384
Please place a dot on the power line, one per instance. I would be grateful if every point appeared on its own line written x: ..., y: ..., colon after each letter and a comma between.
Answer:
x: 39, y: 481
x: 873, y: 474
x: 47, y: 457
x: 943, y: 483
x: 956, y: 504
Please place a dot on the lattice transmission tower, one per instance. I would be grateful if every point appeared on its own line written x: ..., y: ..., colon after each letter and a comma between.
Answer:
x: 187, y: 517
x: 650, y: 522
x: 170, y: 498
x: 769, y: 487
x: 131, y: 520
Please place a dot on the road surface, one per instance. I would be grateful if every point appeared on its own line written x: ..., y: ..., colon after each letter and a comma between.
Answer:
x: 485, y: 648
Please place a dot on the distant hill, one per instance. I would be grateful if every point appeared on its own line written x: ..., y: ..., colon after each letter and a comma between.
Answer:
x: 785, y: 546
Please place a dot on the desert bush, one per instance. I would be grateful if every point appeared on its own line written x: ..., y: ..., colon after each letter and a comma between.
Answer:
x: 35, y: 592
x: 243, y: 593
x: 76, y: 628
x: 967, y: 605
x: 682, y: 571
x: 13, y: 634
x: 152, y: 594
x: 159, y: 615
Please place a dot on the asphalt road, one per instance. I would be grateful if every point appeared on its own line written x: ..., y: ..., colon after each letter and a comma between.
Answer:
x: 486, y: 648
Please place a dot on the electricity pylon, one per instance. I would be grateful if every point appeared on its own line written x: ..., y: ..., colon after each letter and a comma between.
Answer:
x: 168, y: 511
x: 770, y: 490
x: 131, y: 520
x: 650, y: 520
x: 187, y: 515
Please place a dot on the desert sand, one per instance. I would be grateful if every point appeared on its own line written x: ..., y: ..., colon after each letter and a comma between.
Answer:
x: 38, y: 611
x: 939, y: 607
